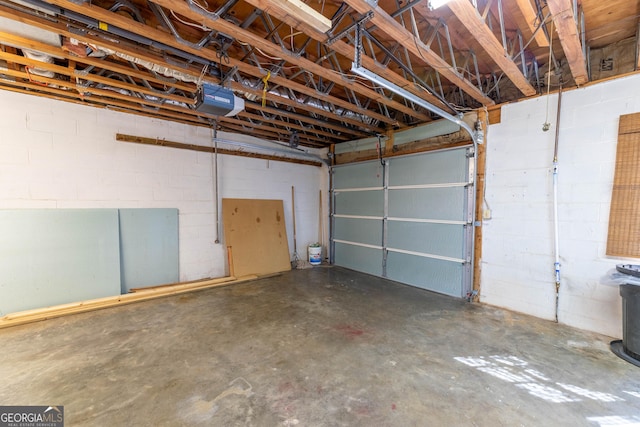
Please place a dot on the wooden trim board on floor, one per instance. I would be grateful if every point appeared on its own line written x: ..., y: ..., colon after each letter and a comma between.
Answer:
x: 35, y: 315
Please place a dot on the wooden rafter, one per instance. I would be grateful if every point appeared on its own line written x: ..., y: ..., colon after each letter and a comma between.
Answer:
x: 272, y: 49
x: 242, y: 35
x: 637, y: 67
x: 145, y: 55
x: 295, y: 104
x: 52, y: 50
x: 531, y: 17
x: 138, y: 28
x: 344, y: 49
x: 93, y: 77
x: 302, y: 118
x: 565, y: 25
x: 205, y: 149
x: 473, y: 22
x: 400, y: 34
x: 283, y: 124
x: 137, y: 104
x: 58, y: 52
x: 100, y: 63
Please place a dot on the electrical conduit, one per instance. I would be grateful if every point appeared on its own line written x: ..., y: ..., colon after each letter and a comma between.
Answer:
x: 556, y: 244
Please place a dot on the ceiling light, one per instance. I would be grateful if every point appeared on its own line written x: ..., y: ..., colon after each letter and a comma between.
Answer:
x: 434, y: 4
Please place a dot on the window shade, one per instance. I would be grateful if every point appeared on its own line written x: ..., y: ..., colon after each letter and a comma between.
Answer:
x: 623, y: 239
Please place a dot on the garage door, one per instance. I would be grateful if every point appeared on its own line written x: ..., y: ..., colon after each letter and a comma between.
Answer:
x: 407, y: 219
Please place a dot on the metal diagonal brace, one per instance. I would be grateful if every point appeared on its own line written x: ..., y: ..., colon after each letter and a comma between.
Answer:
x: 367, y: 16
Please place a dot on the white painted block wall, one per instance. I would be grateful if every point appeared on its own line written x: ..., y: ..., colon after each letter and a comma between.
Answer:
x: 61, y: 155
x: 517, y: 252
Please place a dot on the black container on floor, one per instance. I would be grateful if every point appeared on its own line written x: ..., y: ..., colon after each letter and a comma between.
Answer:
x: 629, y: 347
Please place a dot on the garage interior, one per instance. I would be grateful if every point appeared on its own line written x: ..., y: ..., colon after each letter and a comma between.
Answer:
x: 278, y: 212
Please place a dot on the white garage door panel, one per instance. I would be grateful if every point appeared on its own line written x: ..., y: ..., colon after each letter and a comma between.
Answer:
x: 433, y: 274
x: 444, y: 240
x: 359, y: 258
x: 428, y: 203
x: 432, y: 168
x: 358, y: 176
x: 363, y: 203
x: 415, y: 209
x: 359, y: 231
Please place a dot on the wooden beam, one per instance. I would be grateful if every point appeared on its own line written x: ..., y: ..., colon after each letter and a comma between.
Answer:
x: 149, y: 32
x: 295, y: 126
x: 438, y: 143
x: 39, y: 314
x: 33, y: 90
x: 390, y: 142
x: 301, y: 11
x: 531, y: 17
x: 346, y: 50
x: 116, y: 95
x: 100, y: 63
x: 303, y: 118
x: 567, y: 30
x: 111, y: 94
x: 270, y: 128
x: 205, y: 149
x: 109, y: 99
x: 637, y: 67
x: 272, y: 49
x: 478, y: 214
x: 309, y: 108
x: 495, y: 115
x: 124, y: 48
x: 197, y: 283
x: 95, y: 78
x: 472, y: 21
x: 421, y: 51
x: 240, y: 34
x: 37, y: 89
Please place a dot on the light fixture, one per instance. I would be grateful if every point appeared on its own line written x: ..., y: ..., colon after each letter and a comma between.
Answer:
x: 434, y: 4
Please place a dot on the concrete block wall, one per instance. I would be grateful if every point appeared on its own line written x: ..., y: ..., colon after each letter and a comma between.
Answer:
x: 518, y: 252
x: 61, y: 155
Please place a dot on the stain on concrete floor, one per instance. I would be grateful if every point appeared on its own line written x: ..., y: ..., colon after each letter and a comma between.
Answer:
x: 316, y: 347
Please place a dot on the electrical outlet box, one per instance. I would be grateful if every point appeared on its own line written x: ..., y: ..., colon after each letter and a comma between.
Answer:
x: 486, y: 214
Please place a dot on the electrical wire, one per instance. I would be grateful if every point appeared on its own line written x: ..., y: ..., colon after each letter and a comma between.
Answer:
x: 291, y: 36
x: 191, y: 24
x: 546, y: 120
x: 202, y: 74
x: 202, y: 7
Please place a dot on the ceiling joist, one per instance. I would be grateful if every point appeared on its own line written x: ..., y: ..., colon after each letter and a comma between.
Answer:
x: 290, y: 60
x: 564, y: 19
x: 140, y: 29
x: 533, y: 22
x: 272, y: 49
x: 473, y: 22
x: 400, y: 34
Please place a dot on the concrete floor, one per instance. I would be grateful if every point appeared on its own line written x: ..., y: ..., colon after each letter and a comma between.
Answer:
x: 318, y: 347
